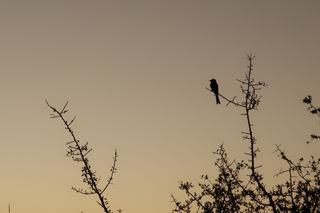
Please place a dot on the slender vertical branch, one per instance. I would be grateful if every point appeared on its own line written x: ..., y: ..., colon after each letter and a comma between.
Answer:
x: 251, y: 102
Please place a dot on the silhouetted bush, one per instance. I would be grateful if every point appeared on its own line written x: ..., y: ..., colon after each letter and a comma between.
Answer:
x: 231, y: 193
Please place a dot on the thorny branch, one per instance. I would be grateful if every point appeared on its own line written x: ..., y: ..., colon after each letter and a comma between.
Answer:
x: 251, y: 102
x: 78, y: 153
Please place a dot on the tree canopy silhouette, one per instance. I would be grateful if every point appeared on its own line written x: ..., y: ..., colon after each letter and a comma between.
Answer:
x: 233, y: 192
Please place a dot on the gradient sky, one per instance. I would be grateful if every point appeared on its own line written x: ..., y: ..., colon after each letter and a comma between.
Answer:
x: 134, y: 73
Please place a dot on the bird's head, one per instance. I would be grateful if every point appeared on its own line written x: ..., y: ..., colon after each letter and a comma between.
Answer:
x: 213, y: 80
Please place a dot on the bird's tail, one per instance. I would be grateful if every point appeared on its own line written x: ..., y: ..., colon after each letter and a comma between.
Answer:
x: 217, y: 99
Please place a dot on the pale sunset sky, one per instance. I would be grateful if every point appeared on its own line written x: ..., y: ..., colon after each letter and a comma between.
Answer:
x: 134, y: 73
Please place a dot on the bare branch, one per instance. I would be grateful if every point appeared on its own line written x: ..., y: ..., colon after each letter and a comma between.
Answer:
x: 78, y: 153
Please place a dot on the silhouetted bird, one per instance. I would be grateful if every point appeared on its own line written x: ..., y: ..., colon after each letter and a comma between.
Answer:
x: 215, y: 89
